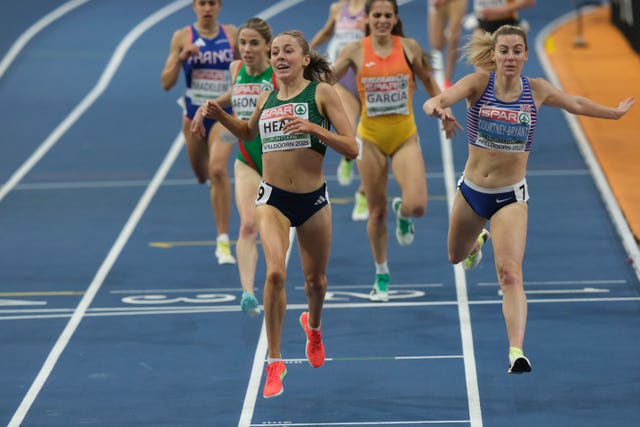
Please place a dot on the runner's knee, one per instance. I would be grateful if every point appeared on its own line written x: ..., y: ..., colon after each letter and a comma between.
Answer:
x: 509, y: 273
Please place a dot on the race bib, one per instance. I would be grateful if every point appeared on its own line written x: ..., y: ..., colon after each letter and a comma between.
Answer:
x: 271, y: 125
x: 264, y: 193
x: 208, y: 84
x: 245, y: 97
x: 503, y: 129
x: 479, y: 5
x: 386, y: 95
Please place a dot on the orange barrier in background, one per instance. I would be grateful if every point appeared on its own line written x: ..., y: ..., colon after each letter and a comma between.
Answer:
x: 607, y: 70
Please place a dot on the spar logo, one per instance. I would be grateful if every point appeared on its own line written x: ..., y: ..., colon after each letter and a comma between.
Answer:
x: 279, y: 111
x: 377, y: 86
x: 505, y: 115
x: 247, y: 89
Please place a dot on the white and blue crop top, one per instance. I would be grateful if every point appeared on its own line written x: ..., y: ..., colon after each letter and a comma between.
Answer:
x: 503, y: 126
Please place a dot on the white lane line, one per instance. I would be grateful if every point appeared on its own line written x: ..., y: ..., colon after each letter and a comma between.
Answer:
x: 104, y: 81
x: 28, y: 314
x: 376, y: 358
x: 408, y: 286
x: 65, y: 185
x: 609, y: 200
x: 466, y: 333
x: 248, y: 406
x: 102, y: 273
x: 563, y: 291
x: 562, y: 283
x: 278, y: 8
x: 260, y: 355
x: 168, y: 291
x: 34, y: 29
x: 361, y: 423
x: 250, y: 397
x: 95, y: 285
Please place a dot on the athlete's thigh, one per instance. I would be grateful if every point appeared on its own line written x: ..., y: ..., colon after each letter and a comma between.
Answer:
x: 314, y: 242
x: 509, y: 233
x: 247, y: 181
x: 374, y: 171
x: 465, y: 226
x: 197, y: 151
x: 408, y: 169
x: 196, y: 145
x: 457, y: 11
x: 221, y: 144
x: 436, y: 20
x: 273, y: 227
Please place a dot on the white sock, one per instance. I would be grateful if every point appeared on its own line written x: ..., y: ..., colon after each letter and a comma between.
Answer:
x: 224, y: 237
x: 382, y: 268
x: 311, y: 327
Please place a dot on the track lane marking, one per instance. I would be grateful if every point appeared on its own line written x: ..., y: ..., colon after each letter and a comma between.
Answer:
x: 34, y: 29
x: 161, y: 173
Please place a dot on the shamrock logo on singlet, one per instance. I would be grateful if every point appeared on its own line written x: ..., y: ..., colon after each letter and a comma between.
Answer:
x: 300, y: 109
x: 524, y: 118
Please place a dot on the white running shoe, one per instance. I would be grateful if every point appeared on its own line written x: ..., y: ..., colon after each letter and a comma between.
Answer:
x: 223, y: 252
x: 519, y: 365
x: 470, y: 22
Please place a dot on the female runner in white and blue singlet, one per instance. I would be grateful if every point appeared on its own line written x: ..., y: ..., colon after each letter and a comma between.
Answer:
x: 501, y: 117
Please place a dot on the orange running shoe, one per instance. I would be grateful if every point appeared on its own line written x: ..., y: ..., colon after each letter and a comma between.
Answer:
x: 276, y: 371
x: 314, y: 349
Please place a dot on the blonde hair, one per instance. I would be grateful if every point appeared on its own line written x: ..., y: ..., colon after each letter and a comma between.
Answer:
x: 478, y: 49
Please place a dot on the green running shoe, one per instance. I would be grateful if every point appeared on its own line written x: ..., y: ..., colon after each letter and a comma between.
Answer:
x: 474, y: 259
x: 404, y: 226
x: 360, y: 210
x: 345, y: 171
x: 380, y: 291
x: 249, y: 304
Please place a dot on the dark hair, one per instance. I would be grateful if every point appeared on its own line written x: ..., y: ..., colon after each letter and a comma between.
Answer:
x: 319, y: 68
x: 397, y: 29
x: 260, y: 26
x: 194, y: 2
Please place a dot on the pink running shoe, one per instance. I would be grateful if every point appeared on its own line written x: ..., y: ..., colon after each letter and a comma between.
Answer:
x: 314, y: 349
x: 276, y: 371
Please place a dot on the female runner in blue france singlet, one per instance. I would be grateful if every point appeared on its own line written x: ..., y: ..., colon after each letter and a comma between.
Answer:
x: 204, y: 51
